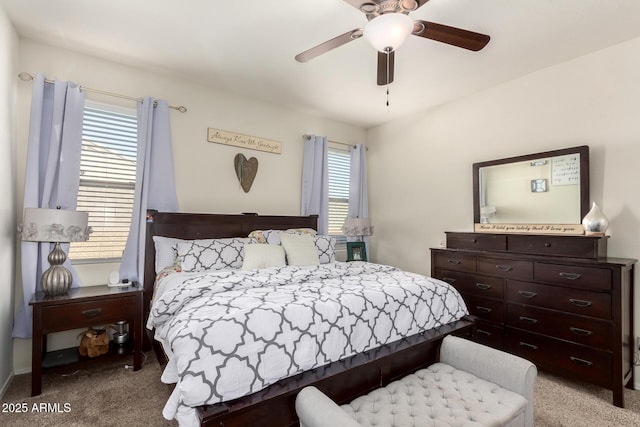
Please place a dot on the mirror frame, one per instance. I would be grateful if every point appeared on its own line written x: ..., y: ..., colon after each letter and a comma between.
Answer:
x: 584, y: 175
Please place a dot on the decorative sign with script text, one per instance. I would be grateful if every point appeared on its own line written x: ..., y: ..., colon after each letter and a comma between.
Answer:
x: 530, y: 228
x: 243, y: 141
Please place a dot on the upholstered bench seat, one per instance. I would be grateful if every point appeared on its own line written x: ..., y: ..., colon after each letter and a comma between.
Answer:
x: 471, y: 385
x: 437, y: 396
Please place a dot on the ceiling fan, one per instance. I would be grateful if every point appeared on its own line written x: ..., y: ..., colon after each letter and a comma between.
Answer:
x: 389, y: 25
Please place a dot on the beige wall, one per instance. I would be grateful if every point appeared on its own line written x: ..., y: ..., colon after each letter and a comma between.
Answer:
x: 205, y: 176
x: 8, y: 60
x: 592, y: 100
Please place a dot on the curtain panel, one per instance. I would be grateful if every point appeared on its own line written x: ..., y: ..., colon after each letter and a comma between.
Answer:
x: 315, y: 181
x: 358, y: 189
x: 155, y: 181
x: 52, y: 177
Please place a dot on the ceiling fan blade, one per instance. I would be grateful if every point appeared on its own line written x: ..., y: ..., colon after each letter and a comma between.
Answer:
x: 385, y: 69
x: 329, y: 45
x: 450, y: 35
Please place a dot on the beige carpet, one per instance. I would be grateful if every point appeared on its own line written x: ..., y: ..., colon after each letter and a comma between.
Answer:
x: 104, y: 393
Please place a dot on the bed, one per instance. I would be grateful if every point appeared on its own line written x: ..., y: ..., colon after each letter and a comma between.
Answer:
x: 359, y: 369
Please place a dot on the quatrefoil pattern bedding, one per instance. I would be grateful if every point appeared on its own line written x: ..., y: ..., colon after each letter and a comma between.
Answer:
x: 232, y: 333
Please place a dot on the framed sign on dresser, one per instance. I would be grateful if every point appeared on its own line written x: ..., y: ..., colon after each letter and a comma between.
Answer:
x: 557, y: 301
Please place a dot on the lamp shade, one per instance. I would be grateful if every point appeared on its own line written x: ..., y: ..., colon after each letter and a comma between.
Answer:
x: 388, y: 31
x: 354, y: 227
x: 54, y: 225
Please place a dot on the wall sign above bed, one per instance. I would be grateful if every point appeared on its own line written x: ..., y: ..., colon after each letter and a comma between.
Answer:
x: 220, y: 136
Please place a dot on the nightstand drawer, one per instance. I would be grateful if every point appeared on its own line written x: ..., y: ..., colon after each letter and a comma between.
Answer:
x: 84, y: 314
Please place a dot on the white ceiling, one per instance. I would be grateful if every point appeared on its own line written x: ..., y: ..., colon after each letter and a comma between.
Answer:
x: 249, y: 46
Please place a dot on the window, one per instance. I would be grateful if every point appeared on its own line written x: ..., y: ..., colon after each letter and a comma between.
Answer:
x: 107, y: 180
x: 339, y: 166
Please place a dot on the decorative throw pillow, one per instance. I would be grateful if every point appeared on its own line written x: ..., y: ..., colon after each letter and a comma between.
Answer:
x: 300, y: 249
x: 272, y: 237
x: 258, y: 255
x: 165, y: 251
x: 211, y: 254
x: 326, y: 247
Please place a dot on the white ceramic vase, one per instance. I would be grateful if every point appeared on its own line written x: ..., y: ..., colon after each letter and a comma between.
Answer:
x: 594, y: 222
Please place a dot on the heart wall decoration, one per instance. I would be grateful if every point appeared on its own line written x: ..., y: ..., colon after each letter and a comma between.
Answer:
x: 246, y: 170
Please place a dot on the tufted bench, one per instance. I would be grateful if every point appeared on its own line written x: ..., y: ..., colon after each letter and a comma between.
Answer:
x: 471, y: 385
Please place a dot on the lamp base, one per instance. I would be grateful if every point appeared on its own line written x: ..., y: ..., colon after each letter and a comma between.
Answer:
x: 57, y: 279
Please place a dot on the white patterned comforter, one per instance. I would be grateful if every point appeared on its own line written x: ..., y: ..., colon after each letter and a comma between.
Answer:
x: 232, y: 333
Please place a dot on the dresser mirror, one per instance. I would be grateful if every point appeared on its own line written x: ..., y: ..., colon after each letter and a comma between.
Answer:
x: 551, y: 187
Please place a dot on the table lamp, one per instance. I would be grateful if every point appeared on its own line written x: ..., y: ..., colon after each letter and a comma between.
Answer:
x: 55, y: 226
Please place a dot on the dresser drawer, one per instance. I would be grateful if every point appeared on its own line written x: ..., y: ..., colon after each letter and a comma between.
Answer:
x: 477, y: 241
x: 573, y: 275
x: 85, y: 314
x: 485, y: 308
x: 560, y: 357
x: 492, y: 287
x: 509, y: 268
x: 586, y: 303
x: 581, y: 330
x: 489, y: 334
x: 453, y: 261
x: 575, y: 246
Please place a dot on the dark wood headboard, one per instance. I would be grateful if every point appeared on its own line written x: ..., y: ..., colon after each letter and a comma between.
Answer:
x: 208, y: 226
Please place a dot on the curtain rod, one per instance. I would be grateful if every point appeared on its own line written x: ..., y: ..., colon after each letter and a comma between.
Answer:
x: 307, y: 136
x: 26, y: 77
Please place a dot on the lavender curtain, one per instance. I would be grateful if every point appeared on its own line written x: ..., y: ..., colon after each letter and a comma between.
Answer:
x: 155, y: 182
x: 315, y: 181
x: 358, y: 190
x: 52, y: 176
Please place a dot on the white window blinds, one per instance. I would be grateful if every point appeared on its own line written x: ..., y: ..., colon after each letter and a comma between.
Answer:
x: 339, y: 165
x: 107, y: 181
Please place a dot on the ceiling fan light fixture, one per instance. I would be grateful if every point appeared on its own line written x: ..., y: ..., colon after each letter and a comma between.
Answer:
x: 388, y: 31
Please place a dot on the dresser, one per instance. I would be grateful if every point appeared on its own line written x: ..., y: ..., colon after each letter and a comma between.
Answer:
x: 555, y: 300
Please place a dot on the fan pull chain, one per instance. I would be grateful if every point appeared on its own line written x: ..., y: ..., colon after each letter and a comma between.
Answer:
x: 388, y: 50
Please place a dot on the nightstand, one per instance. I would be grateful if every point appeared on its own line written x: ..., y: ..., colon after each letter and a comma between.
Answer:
x: 82, y: 308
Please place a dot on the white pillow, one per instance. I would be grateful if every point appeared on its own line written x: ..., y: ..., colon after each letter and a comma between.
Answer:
x: 300, y: 249
x: 259, y: 255
x: 211, y: 254
x: 165, y: 251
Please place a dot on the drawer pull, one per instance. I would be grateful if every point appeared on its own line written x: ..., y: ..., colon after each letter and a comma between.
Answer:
x: 547, y: 245
x: 580, y: 302
x: 528, y: 294
x: 449, y: 280
x: 528, y: 320
x: 531, y: 346
x: 482, y: 309
x: 581, y: 332
x: 485, y: 333
x: 570, y: 276
x: 474, y: 240
x: 483, y: 286
x: 93, y: 312
x: 502, y: 267
x: 454, y: 261
x: 580, y: 362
